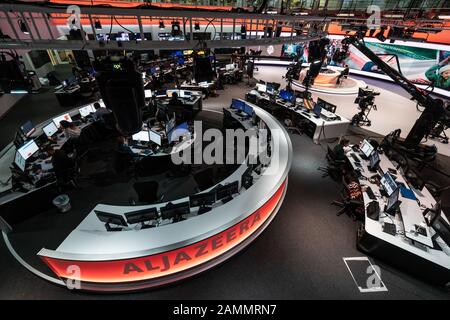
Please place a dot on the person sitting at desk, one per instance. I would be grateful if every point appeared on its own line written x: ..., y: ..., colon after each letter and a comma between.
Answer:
x: 344, y: 73
x: 71, y: 130
x: 174, y: 101
x: 341, y: 149
x: 99, y: 111
x: 123, y: 147
x: 62, y: 164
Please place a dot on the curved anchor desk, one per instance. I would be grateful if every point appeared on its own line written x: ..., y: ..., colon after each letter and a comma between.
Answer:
x: 137, y: 259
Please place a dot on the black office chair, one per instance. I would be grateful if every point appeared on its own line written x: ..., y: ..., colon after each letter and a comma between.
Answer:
x: 348, y: 206
x: 147, y: 191
x: 335, y: 166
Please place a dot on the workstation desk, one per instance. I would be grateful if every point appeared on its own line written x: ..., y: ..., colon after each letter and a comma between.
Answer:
x: 319, y: 128
x: 141, y: 258
x: 192, y: 100
x: 407, y: 249
x: 16, y: 205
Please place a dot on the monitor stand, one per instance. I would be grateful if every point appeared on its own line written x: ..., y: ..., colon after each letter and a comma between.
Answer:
x: 109, y: 228
x: 227, y: 199
x: 203, y: 209
x: 146, y: 226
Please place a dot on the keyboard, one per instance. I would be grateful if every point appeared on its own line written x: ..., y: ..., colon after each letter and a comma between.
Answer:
x: 390, y: 228
x: 355, y: 157
x: 370, y: 193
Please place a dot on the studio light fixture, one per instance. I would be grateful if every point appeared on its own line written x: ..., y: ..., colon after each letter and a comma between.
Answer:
x: 23, y: 26
x: 97, y: 25
x: 197, y: 26
x: 161, y: 24
x: 176, y: 30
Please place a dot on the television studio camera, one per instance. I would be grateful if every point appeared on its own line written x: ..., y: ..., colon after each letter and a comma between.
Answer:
x: 438, y: 132
x: 366, y: 102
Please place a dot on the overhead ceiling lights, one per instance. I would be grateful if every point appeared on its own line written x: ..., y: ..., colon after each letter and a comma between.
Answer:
x: 197, y: 25
x: 97, y: 25
x: 176, y: 30
x: 23, y: 26
x: 161, y: 24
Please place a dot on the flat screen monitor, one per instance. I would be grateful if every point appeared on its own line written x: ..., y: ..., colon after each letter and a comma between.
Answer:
x: 229, y: 67
x: 170, y: 125
x: 50, y: 129
x: 65, y: 117
x: 155, y: 137
x: 238, y: 104
x: 148, y: 93
x: 326, y: 105
x: 181, y: 130
x: 101, y: 103
x: 388, y: 183
x: 71, y: 80
x: 392, y: 201
x: 170, y: 93
x: 185, y: 94
x: 261, y: 87
x: 227, y: 190
x: 161, y: 93
x: 248, y: 110
x: 123, y: 36
x: 20, y: 161
x: 441, y: 226
x: 270, y: 89
x: 28, y: 128
x: 317, y: 109
x: 180, y: 61
x: 202, y: 199
x: 112, y: 218
x: 86, y: 110
x: 366, y: 148
x: 141, y: 136
x: 141, y: 216
x: 28, y: 149
x: 171, y: 211
x: 286, y: 95
x: 374, y: 159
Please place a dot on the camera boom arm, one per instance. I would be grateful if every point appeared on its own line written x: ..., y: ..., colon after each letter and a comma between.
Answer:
x: 434, y: 108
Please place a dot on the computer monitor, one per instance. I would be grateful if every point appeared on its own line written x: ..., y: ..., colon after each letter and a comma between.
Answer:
x: 286, y: 95
x: 229, y: 67
x: 86, y: 110
x: 179, y: 131
x: 180, y: 61
x: 261, y: 87
x: 148, y: 93
x: 185, y: 94
x: 247, y: 178
x: 175, y: 211
x: 123, y: 36
x: 388, y: 183
x: 392, y: 203
x: 20, y: 161
x: 237, y: 104
x: 28, y: 149
x: 248, y: 110
x: 60, y: 118
x: 374, y: 160
x: 112, y: 218
x: 101, y: 103
x: 143, y: 136
x: 161, y: 93
x: 170, y: 125
x: 202, y: 199
x: 50, y: 129
x: 171, y: 91
x: 28, y: 128
x: 155, y: 137
x: 326, y: 105
x: 226, y: 192
x: 141, y: 216
x: 270, y: 88
x: 71, y: 80
x: 317, y: 109
x: 366, y: 148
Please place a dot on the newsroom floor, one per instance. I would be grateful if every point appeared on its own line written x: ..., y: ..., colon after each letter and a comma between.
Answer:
x: 299, y: 256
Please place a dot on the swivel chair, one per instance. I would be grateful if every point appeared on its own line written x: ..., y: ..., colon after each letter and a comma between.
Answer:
x: 335, y: 166
x: 147, y: 191
x: 348, y: 206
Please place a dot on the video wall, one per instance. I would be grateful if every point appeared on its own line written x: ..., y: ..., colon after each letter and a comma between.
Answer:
x: 422, y: 64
